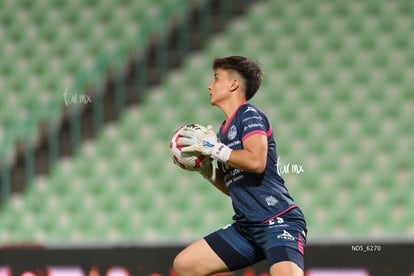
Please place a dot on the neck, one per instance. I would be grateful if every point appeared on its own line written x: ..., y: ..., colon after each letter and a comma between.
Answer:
x: 230, y: 107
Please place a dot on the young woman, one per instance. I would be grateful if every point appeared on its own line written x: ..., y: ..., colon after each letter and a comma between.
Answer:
x: 267, y: 222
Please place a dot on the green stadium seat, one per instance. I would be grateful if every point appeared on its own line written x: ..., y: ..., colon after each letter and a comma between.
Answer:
x: 56, y: 46
x: 337, y: 90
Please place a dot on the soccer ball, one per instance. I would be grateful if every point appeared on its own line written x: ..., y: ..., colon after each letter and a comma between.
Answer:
x: 193, y: 161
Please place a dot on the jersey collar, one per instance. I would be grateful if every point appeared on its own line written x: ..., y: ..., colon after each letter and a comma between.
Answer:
x: 227, y: 122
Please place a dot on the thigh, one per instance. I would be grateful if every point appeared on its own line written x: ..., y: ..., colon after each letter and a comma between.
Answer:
x: 234, y: 247
x: 198, y: 259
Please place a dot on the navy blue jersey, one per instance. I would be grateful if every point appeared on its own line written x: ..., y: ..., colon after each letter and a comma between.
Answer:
x: 256, y: 198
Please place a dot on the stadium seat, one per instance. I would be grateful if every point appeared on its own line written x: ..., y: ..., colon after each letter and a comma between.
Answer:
x: 47, y: 45
x: 336, y: 87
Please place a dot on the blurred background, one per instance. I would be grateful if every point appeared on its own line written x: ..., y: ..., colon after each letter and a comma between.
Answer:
x: 91, y: 92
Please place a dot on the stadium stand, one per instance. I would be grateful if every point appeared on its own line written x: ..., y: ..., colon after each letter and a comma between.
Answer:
x: 338, y: 87
x: 50, y: 49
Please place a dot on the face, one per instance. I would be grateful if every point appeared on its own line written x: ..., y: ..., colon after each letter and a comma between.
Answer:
x: 220, y: 87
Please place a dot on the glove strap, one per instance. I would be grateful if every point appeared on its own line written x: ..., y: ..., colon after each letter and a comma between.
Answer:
x: 221, y: 152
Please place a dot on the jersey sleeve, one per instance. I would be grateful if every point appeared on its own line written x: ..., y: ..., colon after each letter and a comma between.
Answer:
x: 254, y: 122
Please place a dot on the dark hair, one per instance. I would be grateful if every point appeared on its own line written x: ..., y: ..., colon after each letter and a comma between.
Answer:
x: 248, y: 69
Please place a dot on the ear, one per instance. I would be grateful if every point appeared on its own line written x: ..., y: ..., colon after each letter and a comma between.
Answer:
x: 234, y: 85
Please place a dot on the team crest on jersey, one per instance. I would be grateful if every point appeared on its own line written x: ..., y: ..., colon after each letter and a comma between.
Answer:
x: 271, y: 200
x: 232, y: 132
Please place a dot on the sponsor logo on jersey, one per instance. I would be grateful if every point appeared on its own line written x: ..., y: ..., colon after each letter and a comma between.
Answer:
x: 234, y: 144
x: 253, y: 118
x: 256, y: 125
x: 286, y: 236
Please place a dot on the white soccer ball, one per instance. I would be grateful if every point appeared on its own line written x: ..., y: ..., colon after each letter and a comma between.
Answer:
x: 188, y: 161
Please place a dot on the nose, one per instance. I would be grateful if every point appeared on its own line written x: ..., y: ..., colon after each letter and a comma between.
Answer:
x: 210, y: 86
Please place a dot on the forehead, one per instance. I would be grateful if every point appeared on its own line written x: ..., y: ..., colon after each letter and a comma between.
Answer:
x: 220, y: 72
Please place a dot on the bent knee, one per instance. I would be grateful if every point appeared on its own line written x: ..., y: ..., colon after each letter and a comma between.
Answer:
x: 198, y: 259
x: 182, y: 265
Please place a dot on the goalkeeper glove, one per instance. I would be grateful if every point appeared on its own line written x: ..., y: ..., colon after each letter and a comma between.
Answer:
x: 209, y: 171
x: 204, y: 141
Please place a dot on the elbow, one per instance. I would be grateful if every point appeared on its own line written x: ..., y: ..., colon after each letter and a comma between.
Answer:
x: 260, y: 170
x: 258, y: 167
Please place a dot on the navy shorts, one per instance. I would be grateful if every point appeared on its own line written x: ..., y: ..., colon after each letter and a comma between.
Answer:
x: 281, y: 239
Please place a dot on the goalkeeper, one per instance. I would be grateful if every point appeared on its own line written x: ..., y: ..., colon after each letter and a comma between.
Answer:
x: 267, y: 222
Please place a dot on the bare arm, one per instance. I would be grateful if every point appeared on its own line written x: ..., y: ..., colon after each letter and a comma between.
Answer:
x: 252, y: 158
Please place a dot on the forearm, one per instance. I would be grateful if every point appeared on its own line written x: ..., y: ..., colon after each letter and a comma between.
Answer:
x: 252, y: 157
x: 246, y: 161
